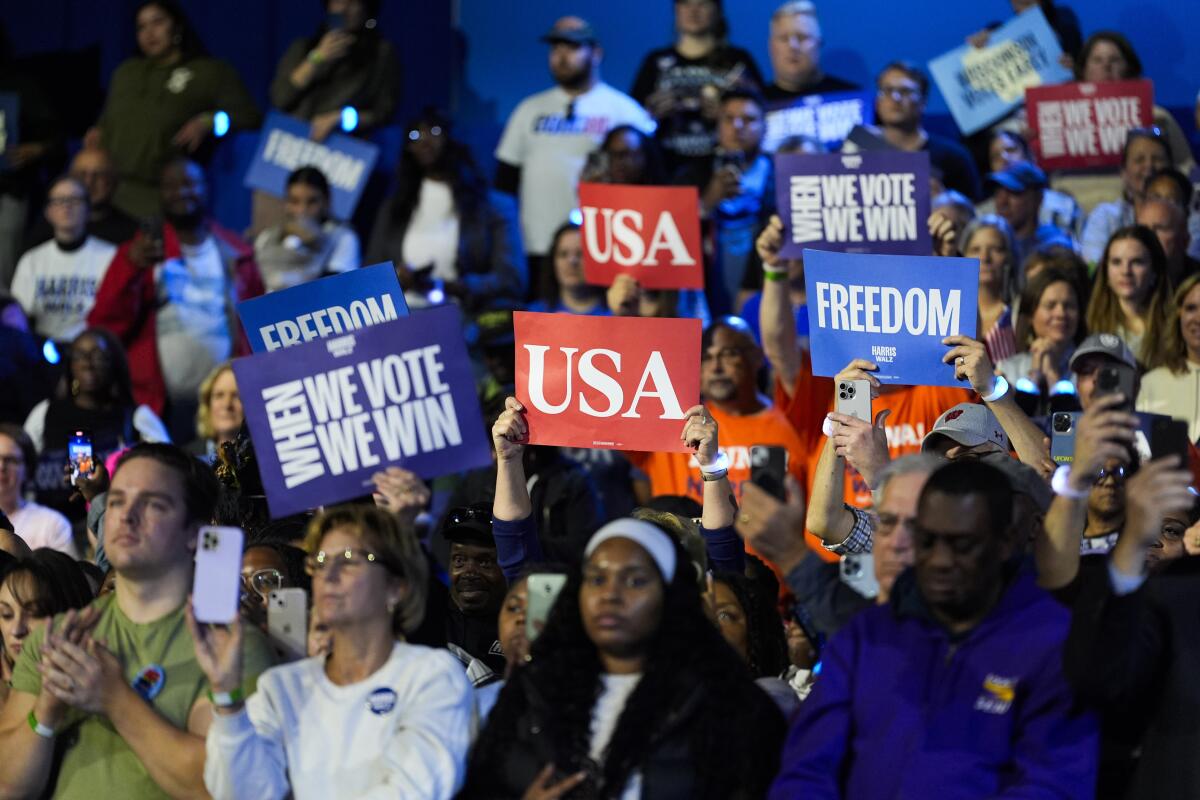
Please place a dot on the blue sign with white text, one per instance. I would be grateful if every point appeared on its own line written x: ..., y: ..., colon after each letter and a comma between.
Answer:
x: 326, y: 307
x: 984, y: 84
x: 284, y: 147
x: 327, y: 415
x: 828, y: 118
x: 892, y: 310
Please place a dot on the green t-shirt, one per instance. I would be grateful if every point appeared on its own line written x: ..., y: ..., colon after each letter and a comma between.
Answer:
x: 94, y: 761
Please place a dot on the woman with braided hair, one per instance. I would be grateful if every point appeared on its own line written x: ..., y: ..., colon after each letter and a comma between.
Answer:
x: 630, y: 691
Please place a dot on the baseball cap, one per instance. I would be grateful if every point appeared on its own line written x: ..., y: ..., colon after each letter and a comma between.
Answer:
x: 1104, y: 344
x: 573, y: 30
x: 469, y: 525
x: 1019, y: 176
x: 968, y: 424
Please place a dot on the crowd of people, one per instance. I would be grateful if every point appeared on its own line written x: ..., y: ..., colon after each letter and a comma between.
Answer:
x: 934, y: 601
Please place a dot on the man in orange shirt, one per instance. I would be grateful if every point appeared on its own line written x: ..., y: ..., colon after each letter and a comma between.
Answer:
x: 729, y: 361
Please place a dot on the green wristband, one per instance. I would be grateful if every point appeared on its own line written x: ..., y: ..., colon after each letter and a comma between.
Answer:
x: 226, y: 699
x: 44, y: 731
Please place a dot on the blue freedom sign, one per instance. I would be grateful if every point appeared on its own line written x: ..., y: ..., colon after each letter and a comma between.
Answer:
x: 984, y: 84
x: 327, y: 415
x: 828, y: 118
x: 284, y: 146
x: 892, y: 310
x: 328, y: 307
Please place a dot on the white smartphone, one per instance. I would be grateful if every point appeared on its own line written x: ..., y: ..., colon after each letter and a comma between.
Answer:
x: 857, y: 571
x: 217, y: 582
x: 854, y: 399
x: 543, y: 588
x: 287, y: 621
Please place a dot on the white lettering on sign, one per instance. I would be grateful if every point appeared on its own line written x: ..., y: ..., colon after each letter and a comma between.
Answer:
x: 1088, y: 126
x: 617, y: 235
x: 290, y: 152
x: 876, y: 207
x: 332, y: 422
x: 655, y: 382
x: 883, y: 309
x: 329, y: 321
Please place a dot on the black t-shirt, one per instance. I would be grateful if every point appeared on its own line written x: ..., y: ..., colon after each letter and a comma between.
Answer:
x: 828, y: 84
x: 686, y: 133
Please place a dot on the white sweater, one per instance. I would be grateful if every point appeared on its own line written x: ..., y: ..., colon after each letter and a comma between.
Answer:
x: 403, y: 732
x: 1178, y: 396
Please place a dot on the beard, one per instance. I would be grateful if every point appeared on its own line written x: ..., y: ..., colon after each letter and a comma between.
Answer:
x: 572, y: 79
x: 188, y: 221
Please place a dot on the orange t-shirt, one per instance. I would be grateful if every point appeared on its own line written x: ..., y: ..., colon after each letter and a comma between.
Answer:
x: 914, y: 409
x: 679, y: 474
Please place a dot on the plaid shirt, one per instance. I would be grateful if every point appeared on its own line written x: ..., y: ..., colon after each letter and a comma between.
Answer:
x: 861, y: 534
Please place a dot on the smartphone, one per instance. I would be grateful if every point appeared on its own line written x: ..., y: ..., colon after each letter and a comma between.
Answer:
x: 1169, y: 437
x: 858, y: 572
x: 854, y: 399
x: 79, y: 453
x: 1062, y: 436
x: 768, y: 468
x: 543, y: 589
x: 1117, y: 379
x: 287, y: 621
x: 217, y: 582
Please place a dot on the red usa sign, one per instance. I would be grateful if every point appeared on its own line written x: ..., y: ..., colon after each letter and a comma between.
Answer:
x: 1078, y: 125
x: 649, y: 232
x: 619, y: 383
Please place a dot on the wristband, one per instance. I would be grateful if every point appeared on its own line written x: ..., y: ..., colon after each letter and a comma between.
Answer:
x: 349, y: 118
x: 315, y: 57
x: 708, y: 477
x: 44, y: 731
x: 220, y: 123
x: 226, y: 699
x: 770, y: 274
x: 999, y: 389
x: 1061, y: 484
x: 720, y: 464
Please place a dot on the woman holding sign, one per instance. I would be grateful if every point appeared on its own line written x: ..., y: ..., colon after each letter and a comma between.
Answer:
x: 377, y: 715
x: 631, y: 690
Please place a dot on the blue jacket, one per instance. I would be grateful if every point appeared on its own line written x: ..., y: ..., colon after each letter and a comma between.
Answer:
x: 904, y: 710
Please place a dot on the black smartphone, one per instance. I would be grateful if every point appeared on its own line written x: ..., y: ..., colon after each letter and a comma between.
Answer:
x: 1062, y: 436
x: 768, y: 468
x: 1169, y: 437
x: 1117, y: 379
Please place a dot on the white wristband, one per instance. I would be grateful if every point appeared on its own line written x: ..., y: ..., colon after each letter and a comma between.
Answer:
x: 719, y: 464
x: 1061, y: 484
x: 999, y: 389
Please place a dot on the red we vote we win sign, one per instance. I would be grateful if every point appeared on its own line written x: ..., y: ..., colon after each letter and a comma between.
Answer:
x: 1079, y: 125
x: 649, y: 232
x: 617, y: 383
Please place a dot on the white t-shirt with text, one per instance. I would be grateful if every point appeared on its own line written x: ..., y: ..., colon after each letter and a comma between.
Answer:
x: 57, y: 287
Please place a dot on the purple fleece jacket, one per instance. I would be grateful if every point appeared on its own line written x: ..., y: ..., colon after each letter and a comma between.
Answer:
x: 904, y: 710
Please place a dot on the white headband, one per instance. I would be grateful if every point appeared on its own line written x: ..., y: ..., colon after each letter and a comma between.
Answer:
x: 652, y: 539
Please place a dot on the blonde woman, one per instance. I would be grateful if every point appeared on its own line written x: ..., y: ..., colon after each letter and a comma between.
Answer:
x: 1174, y: 388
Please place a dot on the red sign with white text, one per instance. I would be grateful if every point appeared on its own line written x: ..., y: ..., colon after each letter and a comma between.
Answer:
x: 649, y: 232
x: 1077, y: 125
x: 617, y: 383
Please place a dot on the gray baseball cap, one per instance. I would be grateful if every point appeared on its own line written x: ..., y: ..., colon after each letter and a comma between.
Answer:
x: 1104, y: 344
x: 968, y: 424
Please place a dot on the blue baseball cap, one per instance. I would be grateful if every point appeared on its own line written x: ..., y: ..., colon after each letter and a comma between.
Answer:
x: 1019, y: 177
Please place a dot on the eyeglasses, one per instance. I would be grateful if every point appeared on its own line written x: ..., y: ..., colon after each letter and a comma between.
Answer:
x: 899, y: 93
x: 415, y: 134
x: 65, y: 202
x: 1117, y: 474
x: 11, y: 461
x: 263, y: 581
x: 317, y: 563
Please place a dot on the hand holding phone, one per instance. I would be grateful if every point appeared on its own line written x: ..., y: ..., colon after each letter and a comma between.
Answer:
x: 768, y: 470
x: 217, y: 581
x: 854, y: 399
x: 79, y: 454
x: 543, y: 589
